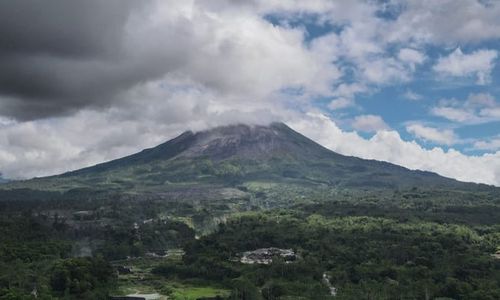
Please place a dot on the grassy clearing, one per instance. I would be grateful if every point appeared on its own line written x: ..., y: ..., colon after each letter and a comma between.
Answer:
x: 193, y: 293
x: 172, y: 290
x: 136, y: 289
x: 142, y: 281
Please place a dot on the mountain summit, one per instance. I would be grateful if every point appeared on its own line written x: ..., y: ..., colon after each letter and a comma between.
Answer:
x: 239, y: 154
x: 225, y: 143
x: 251, y: 142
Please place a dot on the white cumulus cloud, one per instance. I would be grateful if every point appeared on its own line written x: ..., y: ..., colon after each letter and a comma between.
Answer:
x: 478, y: 63
x: 476, y: 109
x: 369, y: 123
x: 389, y: 146
x: 411, y: 56
x: 439, y: 136
x: 491, y: 145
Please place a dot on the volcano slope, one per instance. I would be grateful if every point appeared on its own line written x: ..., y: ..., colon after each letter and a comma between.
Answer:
x: 249, y: 167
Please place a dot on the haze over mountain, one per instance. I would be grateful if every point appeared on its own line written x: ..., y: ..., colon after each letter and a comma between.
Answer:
x: 232, y: 155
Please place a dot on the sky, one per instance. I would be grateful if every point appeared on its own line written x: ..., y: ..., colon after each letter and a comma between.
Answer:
x: 412, y: 82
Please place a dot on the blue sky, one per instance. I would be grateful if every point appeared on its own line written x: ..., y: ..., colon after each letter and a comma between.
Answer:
x: 412, y: 101
x: 411, y: 82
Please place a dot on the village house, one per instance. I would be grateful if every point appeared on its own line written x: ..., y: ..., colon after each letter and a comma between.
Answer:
x: 265, y: 256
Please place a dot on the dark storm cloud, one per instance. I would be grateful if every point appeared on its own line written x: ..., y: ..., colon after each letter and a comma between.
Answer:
x: 58, y: 56
x: 60, y: 27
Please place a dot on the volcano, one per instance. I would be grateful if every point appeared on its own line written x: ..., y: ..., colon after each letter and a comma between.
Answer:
x: 236, y: 155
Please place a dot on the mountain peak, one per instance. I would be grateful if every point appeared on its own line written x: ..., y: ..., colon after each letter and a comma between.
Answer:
x: 253, y: 152
x: 238, y: 141
x: 244, y: 141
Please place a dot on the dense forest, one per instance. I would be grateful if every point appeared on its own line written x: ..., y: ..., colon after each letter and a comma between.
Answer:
x: 366, y: 258
x: 74, y: 248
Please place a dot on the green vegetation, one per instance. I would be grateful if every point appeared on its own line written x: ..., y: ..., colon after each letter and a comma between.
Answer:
x: 193, y: 293
x: 364, y: 257
x: 374, y: 246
